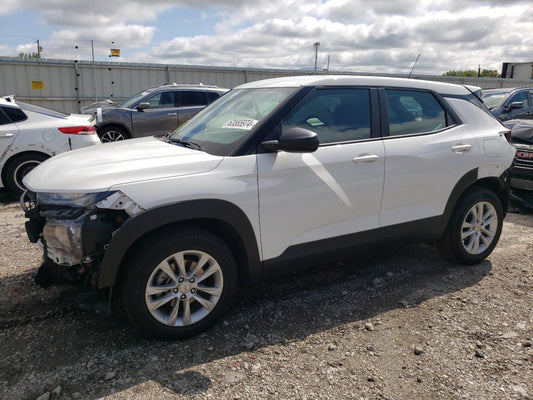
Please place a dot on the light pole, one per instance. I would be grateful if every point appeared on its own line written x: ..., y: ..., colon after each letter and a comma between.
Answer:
x: 316, y: 44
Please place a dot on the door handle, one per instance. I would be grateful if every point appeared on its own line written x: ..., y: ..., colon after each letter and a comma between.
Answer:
x: 461, y: 148
x: 365, y: 158
x: 6, y: 136
x: 173, y: 113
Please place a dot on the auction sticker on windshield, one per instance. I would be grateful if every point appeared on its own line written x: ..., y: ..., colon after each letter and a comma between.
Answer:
x: 241, y: 123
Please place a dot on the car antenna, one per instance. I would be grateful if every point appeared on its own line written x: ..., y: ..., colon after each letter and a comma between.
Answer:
x: 414, y: 66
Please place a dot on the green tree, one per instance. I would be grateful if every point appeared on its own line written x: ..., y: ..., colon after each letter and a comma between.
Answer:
x: 485, y: 73
x: 28, y: 55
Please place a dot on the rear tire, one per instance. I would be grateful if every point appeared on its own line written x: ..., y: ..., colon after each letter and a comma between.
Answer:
x: 474, y: 227
x: 112, y: 134
x: 18, y: 167
x: 179, y: 283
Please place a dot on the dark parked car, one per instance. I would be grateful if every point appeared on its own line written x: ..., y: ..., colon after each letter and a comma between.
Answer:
x: 155, y: 111
x: 522, y: 139
x: 509, y: 103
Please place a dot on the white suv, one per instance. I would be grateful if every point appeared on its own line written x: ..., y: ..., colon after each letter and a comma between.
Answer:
x: 273, y: 175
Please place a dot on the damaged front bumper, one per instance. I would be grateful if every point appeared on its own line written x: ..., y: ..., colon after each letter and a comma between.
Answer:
x: 73, y: 231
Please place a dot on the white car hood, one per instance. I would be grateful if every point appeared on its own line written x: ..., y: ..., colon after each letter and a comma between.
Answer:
x: 95, y: 169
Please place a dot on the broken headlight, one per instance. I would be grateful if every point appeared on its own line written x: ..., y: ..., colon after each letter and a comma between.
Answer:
x: 81, y: 224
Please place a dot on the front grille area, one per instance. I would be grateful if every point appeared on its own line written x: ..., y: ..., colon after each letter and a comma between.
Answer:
x: 524, y: 159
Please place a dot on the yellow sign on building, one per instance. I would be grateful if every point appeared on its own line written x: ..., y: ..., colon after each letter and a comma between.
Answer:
x: 37, y: 85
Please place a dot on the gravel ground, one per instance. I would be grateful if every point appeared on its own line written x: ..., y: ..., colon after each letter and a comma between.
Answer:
x: 399, y: 324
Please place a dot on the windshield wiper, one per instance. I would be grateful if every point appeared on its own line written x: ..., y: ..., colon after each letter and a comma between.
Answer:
x: 185, y: 143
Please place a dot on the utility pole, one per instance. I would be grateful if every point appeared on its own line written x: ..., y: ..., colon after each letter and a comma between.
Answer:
x: 316, y: 44
x: 38, y: 49
x: 94, y: 73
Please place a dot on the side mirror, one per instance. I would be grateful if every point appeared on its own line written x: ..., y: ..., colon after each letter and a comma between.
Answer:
x: 294, y: 140
x: 516, y: 104
x: 142, y: 106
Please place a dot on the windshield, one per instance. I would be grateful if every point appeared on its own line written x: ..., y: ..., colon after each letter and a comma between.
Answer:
x: 128, y: 103
x: 495, y: 99
x: 225, y: 124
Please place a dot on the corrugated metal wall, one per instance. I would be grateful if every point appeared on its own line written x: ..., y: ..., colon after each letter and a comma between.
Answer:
x: 67, y: 85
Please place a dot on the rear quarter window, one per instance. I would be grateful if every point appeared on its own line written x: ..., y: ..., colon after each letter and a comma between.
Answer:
x: 4, y: 120
x: 14, y: 114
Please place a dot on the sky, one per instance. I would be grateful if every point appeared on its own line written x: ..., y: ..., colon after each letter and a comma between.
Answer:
x: 379, y: 36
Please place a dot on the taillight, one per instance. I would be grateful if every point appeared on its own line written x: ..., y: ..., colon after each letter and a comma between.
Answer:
x: 79, y: 130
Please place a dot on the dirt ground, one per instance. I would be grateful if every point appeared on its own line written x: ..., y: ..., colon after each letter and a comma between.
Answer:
x: 399, y: 324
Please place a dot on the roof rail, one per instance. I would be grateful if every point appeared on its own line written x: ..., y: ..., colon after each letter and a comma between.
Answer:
x: 190, y: 84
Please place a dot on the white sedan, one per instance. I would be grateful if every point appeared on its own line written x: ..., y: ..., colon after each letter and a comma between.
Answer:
x: 30, y: 134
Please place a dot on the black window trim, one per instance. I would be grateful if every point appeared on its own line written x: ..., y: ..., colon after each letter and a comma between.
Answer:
x: 271, y: 129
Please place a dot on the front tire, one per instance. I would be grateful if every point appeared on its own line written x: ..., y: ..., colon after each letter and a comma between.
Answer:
x: 474, y: 227
x: 18, y: 168
x: 179, y: 283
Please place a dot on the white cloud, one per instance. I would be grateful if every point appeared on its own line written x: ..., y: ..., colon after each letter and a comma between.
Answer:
x: 378, y: 36
x: 9, y: 7
x: 389, y: 43
x: 76, y: 44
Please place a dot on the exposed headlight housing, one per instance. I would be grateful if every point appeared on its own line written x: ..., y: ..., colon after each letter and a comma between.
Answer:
x: 69, y: 214
x: 71, y: 199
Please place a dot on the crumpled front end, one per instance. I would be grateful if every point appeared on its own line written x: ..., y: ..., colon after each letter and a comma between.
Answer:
x: 74, y: 230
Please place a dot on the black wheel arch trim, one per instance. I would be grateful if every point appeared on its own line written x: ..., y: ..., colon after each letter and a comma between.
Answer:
x: 182, y: 212
x: 460, y: 187
x: 498, y: 184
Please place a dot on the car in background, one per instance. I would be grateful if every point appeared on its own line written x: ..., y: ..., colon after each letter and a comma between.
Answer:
x: 153, y: 112
x: 509, y: 103
x: 30, y: 134
x: 521, y: 174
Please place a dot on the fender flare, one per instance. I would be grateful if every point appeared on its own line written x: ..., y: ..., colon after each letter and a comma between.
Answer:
x: 498, y: 184
x: 206, y: 209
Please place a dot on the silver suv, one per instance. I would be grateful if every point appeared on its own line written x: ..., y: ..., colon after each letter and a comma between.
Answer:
x: 153, y: 112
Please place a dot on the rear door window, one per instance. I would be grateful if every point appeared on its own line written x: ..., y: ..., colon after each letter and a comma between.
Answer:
x: 412, y: 112
x: 192, y: 98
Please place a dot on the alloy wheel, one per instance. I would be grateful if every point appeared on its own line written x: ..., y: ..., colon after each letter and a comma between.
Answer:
x: 479, y: 227
x: 184, y: 288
